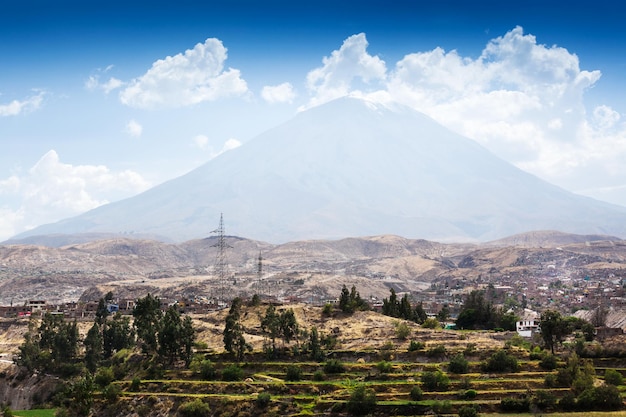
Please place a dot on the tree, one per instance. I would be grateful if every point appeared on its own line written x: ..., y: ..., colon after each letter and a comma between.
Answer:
x: 288, y: 325
x: 148, y: 314
x: 344, y: 299
x: 101, y: 312
x: 444, y: 314
x: 117, y: 334
x: 553, y: 329
x: 234, y: 341
x: 362, y: 401
x: 270, y: 325
x: 391, y: 306
x: 171, y: 335
x: 351, y: 301
x: 94, y: 347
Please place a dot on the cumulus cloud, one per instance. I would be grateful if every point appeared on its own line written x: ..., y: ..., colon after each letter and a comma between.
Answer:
x: 342, y: 68
x: 52, y: 190
x: 185, y: 79
x: 15, y: 107
x: 282, y: 93
x: 94, y: 83
x: 134, y: 129
x: 202, y: 142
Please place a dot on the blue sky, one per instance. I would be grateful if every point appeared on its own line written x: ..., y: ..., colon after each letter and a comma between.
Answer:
x: 98, y: 103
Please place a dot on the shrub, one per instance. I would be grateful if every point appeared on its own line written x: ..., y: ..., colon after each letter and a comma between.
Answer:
x: 458, y: 364
x: 111, y: 393
x: 465, y: 383
x: 402, y: 330
x: 613, y: 377
x: 327, y: 311
x: 548, y: 362
x: 544, y: 400
x: 444, y: 407
x: 415, y: 345
x: 437, y: 351
x: 194, y: 408
x: 294, y: 373
x: 515, y: 405
x: 550, y: 381
x: 104, y: 377
x: 334, y: 366
x: 536, y: 354
x: 468, y: 411
x: 361, y: 401
x: 416, y: 393
x: 384, y: 367
x: 435, y: 381
x: 134, y: 385
x: 568, y: 402
x: 207, y: 370
x: 318, y: 376
x: 470, y: 394
x: 501, y: 361
x: 232, y: 373
x: 431, y: 323
x: 604, y: 397
x: 263, y: 399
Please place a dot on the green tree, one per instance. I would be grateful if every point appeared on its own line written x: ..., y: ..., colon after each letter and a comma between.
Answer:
x: 234, y: 340
x: 553, y: 329
x: 170, y: 336
x: 147, y: 322
x: 391, y: 306
x: 288, y: 325
x: 362, y: 401
x: 93, y: 347
x: 270, y: 325
x: 458, y: 364
x: 117, y: 334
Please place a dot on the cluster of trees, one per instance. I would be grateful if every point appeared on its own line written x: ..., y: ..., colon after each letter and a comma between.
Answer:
x: 55, y: 346
x: 479, y: 313
x: 351, y: 301
x: 402, y: 308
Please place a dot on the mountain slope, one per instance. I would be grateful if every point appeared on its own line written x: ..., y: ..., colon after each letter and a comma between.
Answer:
x: 352, y: 168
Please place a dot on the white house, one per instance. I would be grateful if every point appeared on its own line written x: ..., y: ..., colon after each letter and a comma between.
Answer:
x: 528, y: 324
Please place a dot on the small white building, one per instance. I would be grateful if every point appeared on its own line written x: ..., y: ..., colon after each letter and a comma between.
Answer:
x: 528, y: 324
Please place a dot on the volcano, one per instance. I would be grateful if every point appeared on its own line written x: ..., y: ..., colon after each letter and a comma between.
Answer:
x: 352, y: 168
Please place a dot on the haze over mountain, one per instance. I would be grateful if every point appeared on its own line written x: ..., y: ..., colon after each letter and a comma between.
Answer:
x: 352, y: 168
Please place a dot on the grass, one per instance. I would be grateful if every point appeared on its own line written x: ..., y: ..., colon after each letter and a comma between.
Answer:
x: 45, y: 412
x: 573, y: 414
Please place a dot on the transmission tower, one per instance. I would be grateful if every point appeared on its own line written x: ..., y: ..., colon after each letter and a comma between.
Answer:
x: 262, y: 286
x: 221, y: 267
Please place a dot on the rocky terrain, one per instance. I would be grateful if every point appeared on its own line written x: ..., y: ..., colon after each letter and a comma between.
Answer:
x: 310, y: 271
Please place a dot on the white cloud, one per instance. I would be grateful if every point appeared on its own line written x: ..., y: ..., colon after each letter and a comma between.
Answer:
x: 93, y: 82
x: 52, y: 190
x: 134, y: 129
x: 282, y: 93
x: 196, y: 76
x: 16, y: 107
x: 336, y: 77
x: 201, y: 142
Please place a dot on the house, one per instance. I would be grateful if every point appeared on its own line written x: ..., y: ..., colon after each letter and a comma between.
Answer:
x: 528, y: 324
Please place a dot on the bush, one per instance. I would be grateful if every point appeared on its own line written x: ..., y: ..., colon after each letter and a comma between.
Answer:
x: 194, y: 408
x: 437, y: 351
x: 458, y: 364
x: 613, y: 377
x: 384, y: 367
x: 431, y: 323
x: 544, y: 400
x: 402, y: 330
x: 550, y: 381
x: 134, y: 385
x: 468, y: 411
x: 548, y: 362
x: 440, y: 407
x: 104, y: 377
x: 515, y: 405
x: 361, y: 401
x: 470, y: 394
x: 263, y: 399
x: 327, y: 311
x: 435, y: 381
x: 604, y: 397
x: 501, y: 361
x: 232, y: 373
x: 416, y: 393
x: 568, y: 402
x: 415, y: 345
x: 334, y: 366
x: 294, y: 373
x: 111, y: 393
x: 318, y: 376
